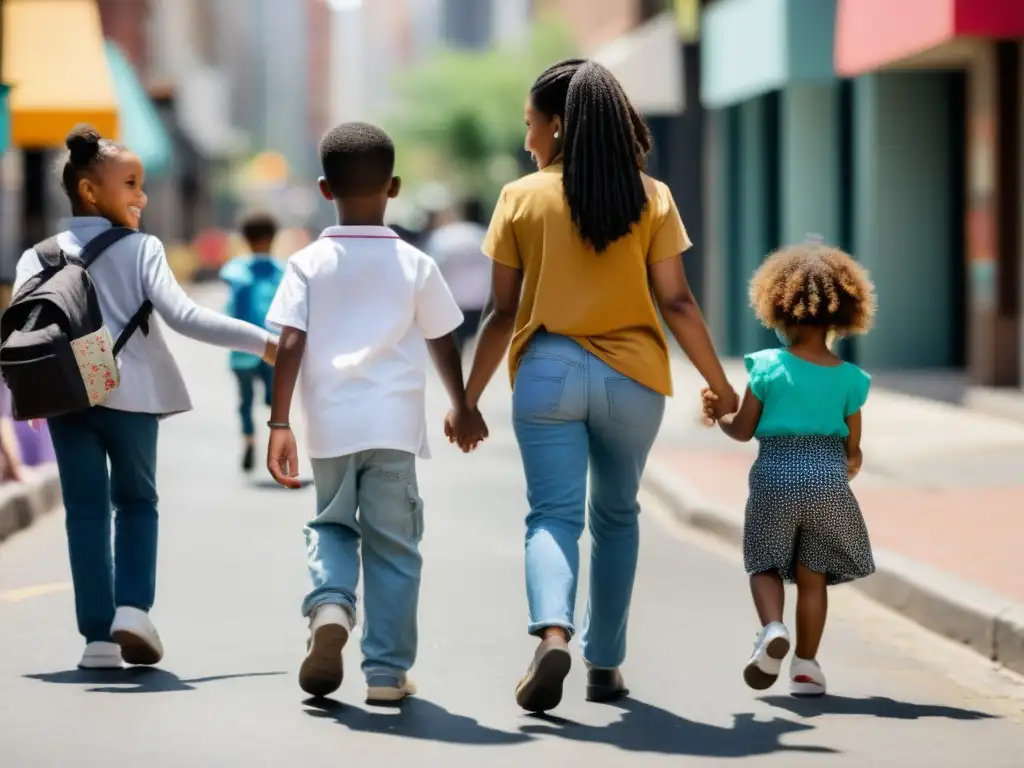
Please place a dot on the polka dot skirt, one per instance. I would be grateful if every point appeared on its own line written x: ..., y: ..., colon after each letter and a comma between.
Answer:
x: 801, y: 509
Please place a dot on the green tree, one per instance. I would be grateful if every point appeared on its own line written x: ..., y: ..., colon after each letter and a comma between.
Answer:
x: 459, y: 119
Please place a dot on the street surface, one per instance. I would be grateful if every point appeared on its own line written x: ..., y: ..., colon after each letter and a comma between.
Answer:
x: 232, y: 575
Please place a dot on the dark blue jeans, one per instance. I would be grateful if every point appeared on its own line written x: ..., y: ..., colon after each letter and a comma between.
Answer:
x: 247, y: 378
x: 124, y: 575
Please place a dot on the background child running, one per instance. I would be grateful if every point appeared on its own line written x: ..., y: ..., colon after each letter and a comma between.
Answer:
x: 359, y: 309
x: 253, y: 280
x: 803, y: 404
x: 115, y: 583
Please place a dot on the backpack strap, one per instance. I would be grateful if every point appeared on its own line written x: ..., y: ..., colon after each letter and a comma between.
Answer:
x: 51, y: 251
x: 99, y: 244
x: 138, y: 321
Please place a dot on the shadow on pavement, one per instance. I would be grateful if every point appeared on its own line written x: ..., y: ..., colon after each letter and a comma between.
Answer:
x: 135, y: 679
x: 268, y: 483
x: 875, y: 706
x: 646, y: 728
x: 415, y: 719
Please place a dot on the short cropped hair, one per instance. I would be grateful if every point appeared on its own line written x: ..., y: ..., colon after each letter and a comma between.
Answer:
x: 258, y: 226
x: 357, y: 159
x: 813, y: 284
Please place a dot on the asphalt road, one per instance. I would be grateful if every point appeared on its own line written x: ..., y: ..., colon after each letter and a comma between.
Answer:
x: 232, y: 574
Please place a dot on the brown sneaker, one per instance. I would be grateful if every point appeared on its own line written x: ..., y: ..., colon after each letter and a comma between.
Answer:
x: 322, y: 670
x: 605, y: 685
x: 540, y: 689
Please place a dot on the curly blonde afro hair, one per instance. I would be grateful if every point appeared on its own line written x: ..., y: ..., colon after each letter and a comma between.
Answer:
x: 813, y: 284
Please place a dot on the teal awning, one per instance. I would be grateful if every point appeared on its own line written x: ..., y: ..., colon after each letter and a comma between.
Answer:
x: 142, y: 130
x: 5, y: 119
x: 750, y: 47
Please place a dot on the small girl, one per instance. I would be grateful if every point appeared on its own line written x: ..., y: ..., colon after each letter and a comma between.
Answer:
x: 803, y: 404
x: 115, y: 585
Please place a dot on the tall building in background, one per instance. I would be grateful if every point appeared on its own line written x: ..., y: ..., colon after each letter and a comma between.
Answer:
x: 284, y: 45
x: 318, y: 67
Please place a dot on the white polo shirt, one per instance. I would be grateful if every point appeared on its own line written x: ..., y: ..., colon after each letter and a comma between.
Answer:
x: 367, y: 301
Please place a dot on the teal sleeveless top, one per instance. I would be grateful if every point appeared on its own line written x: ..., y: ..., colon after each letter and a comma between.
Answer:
x: 799, y: 398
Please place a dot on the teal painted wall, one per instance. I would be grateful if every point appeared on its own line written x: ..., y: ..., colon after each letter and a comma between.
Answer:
x: 716, y: 187
x: 810, y: 40
x: 809, y: 138
x: 903, y: 204
x: 757, y: 212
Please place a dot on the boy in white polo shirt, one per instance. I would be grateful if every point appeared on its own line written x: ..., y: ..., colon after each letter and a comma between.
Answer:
x: 358, y: 311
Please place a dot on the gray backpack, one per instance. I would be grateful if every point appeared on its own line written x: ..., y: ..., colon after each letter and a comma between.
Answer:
x: 56, y: 353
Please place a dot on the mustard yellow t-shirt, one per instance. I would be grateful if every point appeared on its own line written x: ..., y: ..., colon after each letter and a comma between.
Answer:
x: 603, y: 301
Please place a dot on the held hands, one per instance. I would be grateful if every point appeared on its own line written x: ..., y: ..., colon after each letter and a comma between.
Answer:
x: 715, y: 408
x: 283, y: 458
x: 466, y: 428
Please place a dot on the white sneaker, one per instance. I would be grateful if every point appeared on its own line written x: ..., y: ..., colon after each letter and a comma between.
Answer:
x: 100, y: 655
x: 134, y: 632
x: 765, y: 663
x: 806, y: 678
x: 388, y: 689
x: 323, y: 668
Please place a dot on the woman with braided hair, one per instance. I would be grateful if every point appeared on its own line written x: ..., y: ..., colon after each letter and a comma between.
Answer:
x: 585, y: 253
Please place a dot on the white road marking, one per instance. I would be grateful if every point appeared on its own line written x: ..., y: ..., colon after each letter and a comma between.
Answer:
x: 38, y: 590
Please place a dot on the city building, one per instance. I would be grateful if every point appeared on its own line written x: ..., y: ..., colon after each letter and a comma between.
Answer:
x: 776, y: 116
x: 937, y: 176
x: 893, y: 132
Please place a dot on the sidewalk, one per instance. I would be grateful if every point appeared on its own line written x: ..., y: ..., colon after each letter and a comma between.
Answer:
x: 21, y: 504
x: 942, y: 491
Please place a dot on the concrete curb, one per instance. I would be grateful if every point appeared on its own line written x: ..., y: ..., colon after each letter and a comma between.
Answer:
x: 984, y: 621
x: 21, y: 504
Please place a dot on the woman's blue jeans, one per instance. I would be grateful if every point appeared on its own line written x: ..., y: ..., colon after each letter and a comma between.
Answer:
x: 574, y: 415
x: 106, y: 577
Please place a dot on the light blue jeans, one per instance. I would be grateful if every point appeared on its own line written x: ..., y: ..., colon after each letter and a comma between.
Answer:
x: 369, y: 501
x: 573, y: 414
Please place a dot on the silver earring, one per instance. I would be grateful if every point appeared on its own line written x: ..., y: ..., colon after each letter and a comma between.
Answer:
x: 556, y: 134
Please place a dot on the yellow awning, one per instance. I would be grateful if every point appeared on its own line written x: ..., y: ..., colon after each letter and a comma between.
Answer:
x: 53, y: 58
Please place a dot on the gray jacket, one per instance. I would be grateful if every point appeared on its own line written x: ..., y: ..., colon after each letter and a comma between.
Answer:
x: 132, y: 270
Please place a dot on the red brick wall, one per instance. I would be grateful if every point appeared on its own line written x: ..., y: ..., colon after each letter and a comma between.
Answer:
x: 125, y: 23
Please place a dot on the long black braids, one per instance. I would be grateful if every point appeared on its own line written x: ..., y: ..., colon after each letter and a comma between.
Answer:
x: 604, y: 147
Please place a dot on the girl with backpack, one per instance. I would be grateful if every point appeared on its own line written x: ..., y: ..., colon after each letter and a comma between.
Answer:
x: 115, y: 586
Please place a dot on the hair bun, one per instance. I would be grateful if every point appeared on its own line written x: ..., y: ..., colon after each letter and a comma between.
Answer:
x: 83, y: 144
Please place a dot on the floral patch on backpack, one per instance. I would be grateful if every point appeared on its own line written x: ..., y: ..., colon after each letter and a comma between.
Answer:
x: 95, y: 357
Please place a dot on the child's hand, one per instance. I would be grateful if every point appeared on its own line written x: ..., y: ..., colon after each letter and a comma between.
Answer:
x: 718, y: 408
x: 270, y: 352
x: 465, y: 427
x: 853, y: 464
x: 283, y: 458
